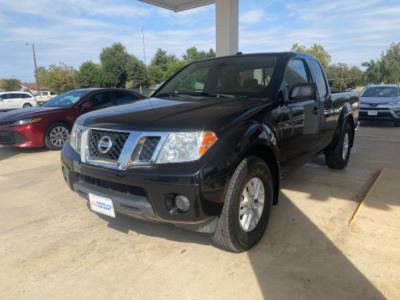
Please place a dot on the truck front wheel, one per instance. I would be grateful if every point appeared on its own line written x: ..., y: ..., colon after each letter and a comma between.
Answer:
x: 247, y: 206
x: 338, y: 157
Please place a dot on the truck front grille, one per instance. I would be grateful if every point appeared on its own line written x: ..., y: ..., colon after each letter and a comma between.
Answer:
x: 121, y: 149
x: 147, y: 149
x: 118, y: 140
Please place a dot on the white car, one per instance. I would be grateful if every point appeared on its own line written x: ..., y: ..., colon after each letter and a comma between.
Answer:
x: 43, y: 96
x: 13, y: 100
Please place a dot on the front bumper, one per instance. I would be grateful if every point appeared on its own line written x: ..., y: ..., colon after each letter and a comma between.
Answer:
x: 24, y: 136
x: 379, y: 114
x: 148, y: 192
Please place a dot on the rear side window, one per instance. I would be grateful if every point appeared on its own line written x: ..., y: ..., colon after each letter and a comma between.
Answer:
x: 102, y: 99
x: 296, y: 73
x: 124, y: 98
x: 319, y: 78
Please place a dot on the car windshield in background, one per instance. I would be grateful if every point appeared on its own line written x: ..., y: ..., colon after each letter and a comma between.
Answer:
x: 231, y: 77
x: 381, y: 91
x: 66, y: 100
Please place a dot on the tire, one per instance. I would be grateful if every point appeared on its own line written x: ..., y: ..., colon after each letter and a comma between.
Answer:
x: 56, y: 135
x: 338, y: 157
x: 230, y: 233
x: 27, y: 105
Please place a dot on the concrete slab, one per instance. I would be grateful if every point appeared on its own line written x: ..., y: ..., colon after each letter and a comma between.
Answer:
x: 52, y: 246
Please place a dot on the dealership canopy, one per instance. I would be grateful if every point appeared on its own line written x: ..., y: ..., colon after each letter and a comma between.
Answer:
x: 227, y: 20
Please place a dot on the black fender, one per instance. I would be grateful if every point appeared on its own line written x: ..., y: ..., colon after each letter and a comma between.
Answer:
x: 260, y: 140
x: 346, y: 115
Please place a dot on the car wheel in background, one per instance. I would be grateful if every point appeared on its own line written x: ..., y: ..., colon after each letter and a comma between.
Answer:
x: 247, y: 206
x: 56, y: 136
x: 27, y: 105
x: 339, y: 156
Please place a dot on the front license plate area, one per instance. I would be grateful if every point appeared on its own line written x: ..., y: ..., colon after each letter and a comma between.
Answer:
x: 372, y: 113
x: 101, y: 205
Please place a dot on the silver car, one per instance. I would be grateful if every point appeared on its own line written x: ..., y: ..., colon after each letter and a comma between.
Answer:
x: 380, y: 103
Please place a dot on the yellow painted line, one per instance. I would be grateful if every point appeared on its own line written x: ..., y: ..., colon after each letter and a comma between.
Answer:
x: 354, y: 216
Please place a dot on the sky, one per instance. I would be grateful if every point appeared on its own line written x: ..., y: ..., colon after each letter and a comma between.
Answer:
x: 74, y: 31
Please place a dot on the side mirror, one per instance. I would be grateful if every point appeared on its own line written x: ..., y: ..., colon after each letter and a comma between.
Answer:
x: 303, y: 91
x: 86, y: 106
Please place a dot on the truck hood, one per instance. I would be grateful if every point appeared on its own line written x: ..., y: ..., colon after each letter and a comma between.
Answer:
x: 156, y: 114
x: 27, y: 113
x: 379, y: 100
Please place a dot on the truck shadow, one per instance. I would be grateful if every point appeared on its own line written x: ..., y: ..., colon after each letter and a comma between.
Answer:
x: 160, y: 230
x: 296, y: 260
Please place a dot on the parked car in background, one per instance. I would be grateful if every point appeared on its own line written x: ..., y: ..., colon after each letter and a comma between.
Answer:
x: 49, y: 125
x: 13, y: 100
x: 43, y: 96
x: 381, y: 103
x: 208, y: 150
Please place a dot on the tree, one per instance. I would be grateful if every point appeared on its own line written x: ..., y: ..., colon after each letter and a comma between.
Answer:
x: 315, y: 50
x: 114, y: 61
x: 61, y: 78
x: 155, y: 74
x: 192, y: 54
x: 342, y: 77
x: 136, y: 70
x: 391, y: 64
x: 386, y: 69
x: 43, y: 76
x: 11, y: 84
x: 90, y: 75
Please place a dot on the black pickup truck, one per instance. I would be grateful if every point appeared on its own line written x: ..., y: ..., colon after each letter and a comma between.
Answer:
x: 208, y: 150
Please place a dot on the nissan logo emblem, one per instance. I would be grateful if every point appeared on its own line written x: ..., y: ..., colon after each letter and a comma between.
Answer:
x: 105, y: 144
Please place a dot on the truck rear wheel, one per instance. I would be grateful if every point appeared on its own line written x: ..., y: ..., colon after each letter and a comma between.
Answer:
x: 338, y: 157
x: 247, y: 206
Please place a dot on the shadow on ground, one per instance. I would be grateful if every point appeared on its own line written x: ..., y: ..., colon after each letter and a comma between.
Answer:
x: 295, y: 260
x: 7, y: 152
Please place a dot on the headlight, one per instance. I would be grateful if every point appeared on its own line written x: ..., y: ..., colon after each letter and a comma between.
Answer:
x: 186, y: 146
x: 26, y: 121
x: 75, y: 138
x: 395, y: 104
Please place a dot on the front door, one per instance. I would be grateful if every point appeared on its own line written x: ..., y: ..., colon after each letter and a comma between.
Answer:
x: 299, y: 120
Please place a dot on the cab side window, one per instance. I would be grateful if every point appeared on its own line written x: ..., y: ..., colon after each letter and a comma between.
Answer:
x: 102, y: 99
x: 124, y: 98
x: 319, y: 78
x: 295, y: 73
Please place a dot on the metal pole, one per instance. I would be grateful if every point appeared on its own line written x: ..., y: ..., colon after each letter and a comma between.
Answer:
x: 36, y: 69
x: 144, y: 47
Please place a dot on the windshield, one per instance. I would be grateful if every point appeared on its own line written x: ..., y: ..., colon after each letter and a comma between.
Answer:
x: 381, y: 91
x: 66, y: 100
x: 231, y: 77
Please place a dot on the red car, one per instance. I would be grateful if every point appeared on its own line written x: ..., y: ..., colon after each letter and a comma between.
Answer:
x: 49, y: 125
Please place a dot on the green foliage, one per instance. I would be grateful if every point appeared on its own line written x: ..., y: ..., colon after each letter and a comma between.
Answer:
x: 155, y: 74
x: 315, y: 50
x: 59, y: 78
x: 192, y: 54
x: 10, y: 84
x: 386, y: 69
x: 136, y: 70
x: 90, y: 75
x: 114, y: 60
x: 342, y: 77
